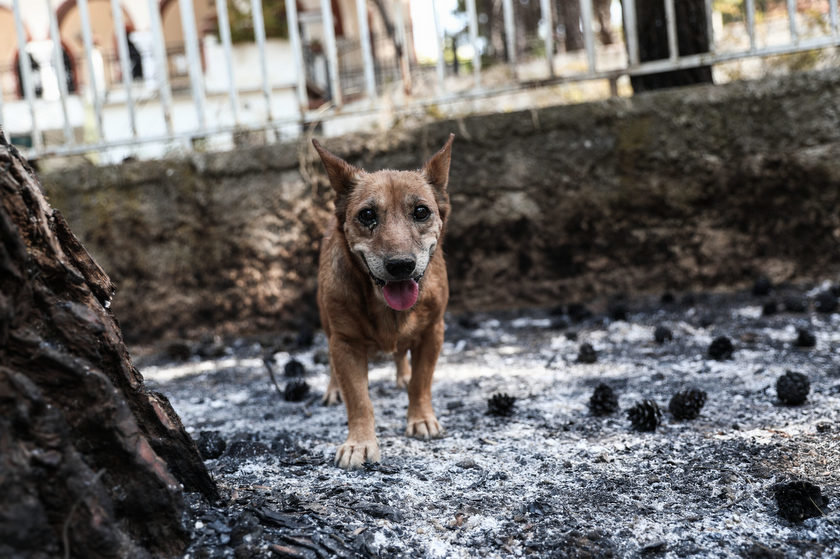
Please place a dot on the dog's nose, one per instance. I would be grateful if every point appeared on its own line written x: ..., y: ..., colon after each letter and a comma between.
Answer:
x: 400, y: 268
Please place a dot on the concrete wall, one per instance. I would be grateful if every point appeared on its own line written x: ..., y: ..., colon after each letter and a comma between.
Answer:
x: 676, y: 190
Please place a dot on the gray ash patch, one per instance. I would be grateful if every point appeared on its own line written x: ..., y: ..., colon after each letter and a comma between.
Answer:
x: 551, y: 479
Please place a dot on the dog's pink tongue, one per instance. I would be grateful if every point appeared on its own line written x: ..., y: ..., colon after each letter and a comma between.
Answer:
x: 401, y: 295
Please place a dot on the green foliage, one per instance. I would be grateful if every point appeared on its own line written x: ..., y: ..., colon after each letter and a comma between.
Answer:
x: 242, y: 22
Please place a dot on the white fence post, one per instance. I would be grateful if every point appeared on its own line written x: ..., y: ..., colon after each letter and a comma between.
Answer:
x: 125, y: 67
x: 193, y: 61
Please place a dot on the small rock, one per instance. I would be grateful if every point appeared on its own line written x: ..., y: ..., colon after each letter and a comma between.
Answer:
x: 770, y: 308
x: 178, y: 350
x: 586, y: 354
x: 792, y: 388
x: 799, y: 500
x: 667, y: 298
x: 721, y: 348
x: 618, y: 311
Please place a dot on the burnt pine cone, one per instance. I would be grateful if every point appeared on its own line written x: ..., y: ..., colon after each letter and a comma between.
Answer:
x: 603, y: 400
x: 687, y: 404
x: 586, y: 354
x: 792, y: 388
x: 721, y: 348
x: 501, y: 404
x: 294, y: 368
x: 805, y: 338
x: 799, y: 500
x: 296, y: 391
x: 645, y: 416
x: 662, y: 334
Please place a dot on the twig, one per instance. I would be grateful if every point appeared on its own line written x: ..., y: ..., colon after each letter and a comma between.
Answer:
x: 65, y: 530
x: 270, y: 368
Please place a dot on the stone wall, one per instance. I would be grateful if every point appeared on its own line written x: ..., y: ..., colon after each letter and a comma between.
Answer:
x: 685, y: 189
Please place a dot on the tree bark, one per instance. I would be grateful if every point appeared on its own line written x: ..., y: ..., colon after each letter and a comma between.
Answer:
x: 92, y: 463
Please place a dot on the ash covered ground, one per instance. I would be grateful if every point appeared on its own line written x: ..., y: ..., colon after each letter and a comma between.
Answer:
x: 551, y: 479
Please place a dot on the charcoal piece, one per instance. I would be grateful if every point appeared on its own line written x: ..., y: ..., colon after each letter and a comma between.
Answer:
x: 762, y: 286
x: 645, y: 416
x: 795, y: 303
x: 662, y: 334
x: 805, y: 338
x: 770, y: 308
x: 586, y: 354
x: 501, y: 404
x: 296, y: 390
x: 603, y: 400
x: 825, y: 302
x: 294, y: 368
x: 721, y: 348
x: 792, y: 388
x: 686, y: 404
x: 798, y: 500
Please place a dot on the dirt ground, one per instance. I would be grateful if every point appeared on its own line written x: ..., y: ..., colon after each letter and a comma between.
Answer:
x: 551, y: 479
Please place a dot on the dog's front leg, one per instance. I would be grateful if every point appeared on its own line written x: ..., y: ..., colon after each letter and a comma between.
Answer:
x: 422, y: 422
x: 350, y: 369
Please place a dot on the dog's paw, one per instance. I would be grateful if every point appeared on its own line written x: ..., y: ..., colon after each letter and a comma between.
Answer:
x: 352, y: 454
x: 424, y: 428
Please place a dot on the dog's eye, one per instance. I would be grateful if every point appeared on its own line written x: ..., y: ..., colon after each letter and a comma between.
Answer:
x: 367, y: 217
x: 422, y: 213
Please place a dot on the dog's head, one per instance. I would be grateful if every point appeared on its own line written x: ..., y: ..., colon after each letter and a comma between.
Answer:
x: 392, y: 220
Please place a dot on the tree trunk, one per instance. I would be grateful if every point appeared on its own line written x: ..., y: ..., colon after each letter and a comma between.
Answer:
x: 692, y: 38
x: 91, y: 463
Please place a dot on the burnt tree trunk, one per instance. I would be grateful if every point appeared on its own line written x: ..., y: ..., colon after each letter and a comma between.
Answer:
x: 92, y: 464
x: 692, y: 38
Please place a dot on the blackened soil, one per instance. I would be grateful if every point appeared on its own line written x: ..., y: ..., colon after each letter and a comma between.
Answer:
x: 552, y: 479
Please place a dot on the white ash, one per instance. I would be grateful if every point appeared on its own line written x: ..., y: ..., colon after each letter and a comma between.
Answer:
x: 551, y: 478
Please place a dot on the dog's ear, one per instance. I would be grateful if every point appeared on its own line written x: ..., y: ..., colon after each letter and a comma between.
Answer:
x: 436, y: 169
x: 342, y: 175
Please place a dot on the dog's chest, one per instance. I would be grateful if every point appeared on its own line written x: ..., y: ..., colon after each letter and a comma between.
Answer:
x: 392, y: 331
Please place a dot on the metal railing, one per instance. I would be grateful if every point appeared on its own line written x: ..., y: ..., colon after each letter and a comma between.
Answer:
x: 345, y: 77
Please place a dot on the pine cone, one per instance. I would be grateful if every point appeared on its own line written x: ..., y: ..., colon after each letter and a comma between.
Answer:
x: 603, y: 400
x: 805, y: 338
x: 645, y: 416
x: 687, y: 404
x: 799, y: 500
x: 294, y: 368
x: 296, y: 391
x: 662, y: 334
x: 500, y: 404
x: 721, y: 348
x: 586, y: 354
x: 792, y: 388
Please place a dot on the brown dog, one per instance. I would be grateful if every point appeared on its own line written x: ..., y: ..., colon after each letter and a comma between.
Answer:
x: 382, y: 286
